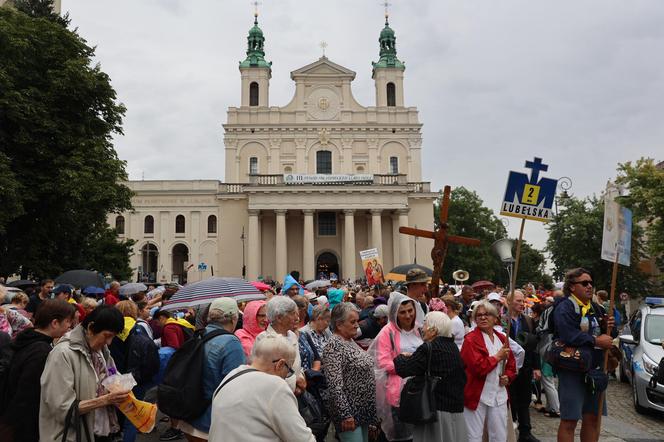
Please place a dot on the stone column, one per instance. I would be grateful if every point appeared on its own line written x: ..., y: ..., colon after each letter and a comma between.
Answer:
x: 349, y: 244
x: 308, y: 265
x: 395, y: 239
x: 376, y: 230
x: 282, y: 250
x: 253, y: 249
x: 404, y: 240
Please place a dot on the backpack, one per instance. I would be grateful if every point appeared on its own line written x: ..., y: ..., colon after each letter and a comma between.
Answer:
x: 181, y: 394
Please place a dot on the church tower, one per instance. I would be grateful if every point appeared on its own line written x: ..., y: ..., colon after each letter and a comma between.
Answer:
x: 388, y: 70
x: 255, y: 71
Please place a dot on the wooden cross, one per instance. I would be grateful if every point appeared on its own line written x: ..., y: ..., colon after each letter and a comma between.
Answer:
x: 441, y: 241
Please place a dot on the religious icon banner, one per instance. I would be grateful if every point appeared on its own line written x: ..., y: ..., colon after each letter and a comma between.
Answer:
x: 372, y: 266
x: 617, y: 234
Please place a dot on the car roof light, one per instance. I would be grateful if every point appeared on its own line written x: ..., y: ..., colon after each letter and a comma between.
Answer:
x: 651, y: 300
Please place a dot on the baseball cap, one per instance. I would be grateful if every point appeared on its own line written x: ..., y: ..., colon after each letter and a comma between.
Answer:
x: 226, y: 305
x: 63, y: 288
x: 322, y: 300
x: 493, y: 296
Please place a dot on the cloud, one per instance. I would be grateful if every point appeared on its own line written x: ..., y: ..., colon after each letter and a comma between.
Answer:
x: 579, y: 83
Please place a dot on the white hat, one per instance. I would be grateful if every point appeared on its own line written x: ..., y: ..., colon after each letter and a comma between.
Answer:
x: 493, y: 296
x: 310, y: 296
x: 381, y: 311
x: 322, y: 300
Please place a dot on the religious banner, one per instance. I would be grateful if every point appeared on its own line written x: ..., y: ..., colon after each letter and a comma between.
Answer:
x: 617, y: 234
x: 323, y: 178
x: 372, y: 266
x: 530, y: 198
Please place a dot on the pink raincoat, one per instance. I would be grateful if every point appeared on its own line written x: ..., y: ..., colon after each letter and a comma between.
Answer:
x: 250, y: 329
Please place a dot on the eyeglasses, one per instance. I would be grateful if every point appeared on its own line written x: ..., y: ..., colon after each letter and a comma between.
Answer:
x: 583, y: 283
x: 290, y: 370
x: 482, y: 315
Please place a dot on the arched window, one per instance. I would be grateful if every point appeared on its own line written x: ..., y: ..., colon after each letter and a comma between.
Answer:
x: 324, y: 161
x: 391, y: 94
x: 253, y: 166
x: 179, y: 224
x: 120, y: 225
x: 212, y: 224
x: 253, y: 94
x: 148, y: 225
x: 394, y: 165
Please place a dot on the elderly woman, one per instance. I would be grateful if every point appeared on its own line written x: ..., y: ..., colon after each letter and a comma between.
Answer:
x: 284, y: 317
x: 490, y: 367
x: 446, y: 364
x: 318, y: 328
x: 350, y: 377
x: 254, y: 322
x: 73, y: 377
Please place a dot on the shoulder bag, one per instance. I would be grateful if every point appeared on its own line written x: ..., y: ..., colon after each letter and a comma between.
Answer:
x: 418, y: 403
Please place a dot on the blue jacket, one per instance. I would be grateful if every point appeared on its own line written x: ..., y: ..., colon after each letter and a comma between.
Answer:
x: 222, y: 354
x: 567, y: 326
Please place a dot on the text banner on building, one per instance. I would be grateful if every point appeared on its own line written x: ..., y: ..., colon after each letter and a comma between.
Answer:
x: 617, y: 234
x: 322, y: 178
x: 530, y: 198
x: 373, y: 267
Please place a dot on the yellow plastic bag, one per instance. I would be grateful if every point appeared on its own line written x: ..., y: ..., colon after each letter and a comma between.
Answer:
x: 143, y: 415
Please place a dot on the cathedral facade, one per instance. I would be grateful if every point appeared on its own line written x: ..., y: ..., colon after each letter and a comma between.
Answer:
x: 307, y: 186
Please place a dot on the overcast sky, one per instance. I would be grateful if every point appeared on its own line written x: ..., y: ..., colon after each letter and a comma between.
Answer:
x: 579, y: 83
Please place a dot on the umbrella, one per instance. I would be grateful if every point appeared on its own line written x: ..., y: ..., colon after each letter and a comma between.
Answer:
x: 204, y: 292
x: 313, y: 286
x: 22, y: 283
x: 81, y: 278
x: 260, y: 285
x: 132, y: 288
x: 92, y: 290
x: 482, y: 285
x: 399, y: 272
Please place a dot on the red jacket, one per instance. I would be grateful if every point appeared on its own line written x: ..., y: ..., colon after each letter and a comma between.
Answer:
x: 479, y: 364
x: 110, y: 298
x: 172, y: 336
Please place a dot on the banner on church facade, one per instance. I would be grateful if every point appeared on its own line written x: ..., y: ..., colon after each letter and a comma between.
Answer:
x: 617, y: 234
x: 530, y: 197
x: 323, y: 178
x: 372, y: 266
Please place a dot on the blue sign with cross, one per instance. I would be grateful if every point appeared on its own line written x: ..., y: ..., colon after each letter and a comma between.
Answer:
x: 530, y: 197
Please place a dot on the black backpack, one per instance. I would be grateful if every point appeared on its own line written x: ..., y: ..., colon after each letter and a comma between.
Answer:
x: 181, y: 394
x: 6, y: 357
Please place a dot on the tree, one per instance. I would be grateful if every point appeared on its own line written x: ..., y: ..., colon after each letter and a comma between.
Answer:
x: 645, y: 181
x: 469, y: 217
x: 58, y: 113
x: 575, y: 240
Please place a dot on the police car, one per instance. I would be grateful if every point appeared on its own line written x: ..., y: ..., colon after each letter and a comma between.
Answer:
x: 641, y: 348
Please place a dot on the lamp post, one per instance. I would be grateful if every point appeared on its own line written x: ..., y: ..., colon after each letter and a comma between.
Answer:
x: 564, y: 184
x: 503, y: 249
x: 244, y: 267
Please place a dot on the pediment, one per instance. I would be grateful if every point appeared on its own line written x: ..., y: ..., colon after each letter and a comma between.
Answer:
x: 323, y: 68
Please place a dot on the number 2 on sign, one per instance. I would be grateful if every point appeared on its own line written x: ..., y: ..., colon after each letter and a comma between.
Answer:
x: 530, y: 194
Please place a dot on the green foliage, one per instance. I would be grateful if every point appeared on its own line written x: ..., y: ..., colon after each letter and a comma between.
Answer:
x: 58, y: 113
x: 645, y: 182
x: 469, y: 217
x: 41, y: 9
x: 575, y: 240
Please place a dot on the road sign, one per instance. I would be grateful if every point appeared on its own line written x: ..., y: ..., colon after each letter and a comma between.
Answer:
x: 530, y: 198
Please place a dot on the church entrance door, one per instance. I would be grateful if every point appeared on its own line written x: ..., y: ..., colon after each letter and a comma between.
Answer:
x: 180, y: 261
x: 326, y: 265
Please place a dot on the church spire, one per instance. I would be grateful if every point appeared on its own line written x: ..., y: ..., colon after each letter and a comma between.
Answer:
x: 388, y: 48
x: 255, y: 52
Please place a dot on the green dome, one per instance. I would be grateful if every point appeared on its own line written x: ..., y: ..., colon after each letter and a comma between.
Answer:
x: 255, y: 53
x: 388, y: 49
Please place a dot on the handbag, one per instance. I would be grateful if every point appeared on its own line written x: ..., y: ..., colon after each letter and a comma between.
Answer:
x: 596, y: 381
x: 311, y: 410
x: 564, y: 357
x: 418, y: 403
x: 75, y: 420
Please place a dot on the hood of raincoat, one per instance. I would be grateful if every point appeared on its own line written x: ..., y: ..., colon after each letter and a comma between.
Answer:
x: 396, y: 299
x: 249, y: 321
x: 289, y: 282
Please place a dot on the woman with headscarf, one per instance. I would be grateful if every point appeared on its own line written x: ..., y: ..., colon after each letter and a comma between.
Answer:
x: 399, y: 336
x: 254, y: 322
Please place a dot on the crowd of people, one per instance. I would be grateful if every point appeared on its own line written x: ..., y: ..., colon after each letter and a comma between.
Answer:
x: 300, y: 365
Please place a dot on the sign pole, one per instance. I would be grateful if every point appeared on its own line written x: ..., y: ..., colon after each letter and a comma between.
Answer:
x: 614, y: 280
x: 513, y: 281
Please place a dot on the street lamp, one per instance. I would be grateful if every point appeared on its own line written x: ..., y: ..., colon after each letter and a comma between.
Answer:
x: 564, y: 184
x: 503, y: 249
x: 244, y: 267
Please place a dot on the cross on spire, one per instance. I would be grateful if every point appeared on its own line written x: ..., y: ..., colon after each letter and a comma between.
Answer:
x: 256, y: 4
x: 387, y: 5
x: 323, y: 45
x: 536, y: 166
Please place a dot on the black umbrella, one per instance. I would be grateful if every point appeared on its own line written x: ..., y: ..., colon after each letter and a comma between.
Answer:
x: 81, y: 278
x: 23, y: 283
